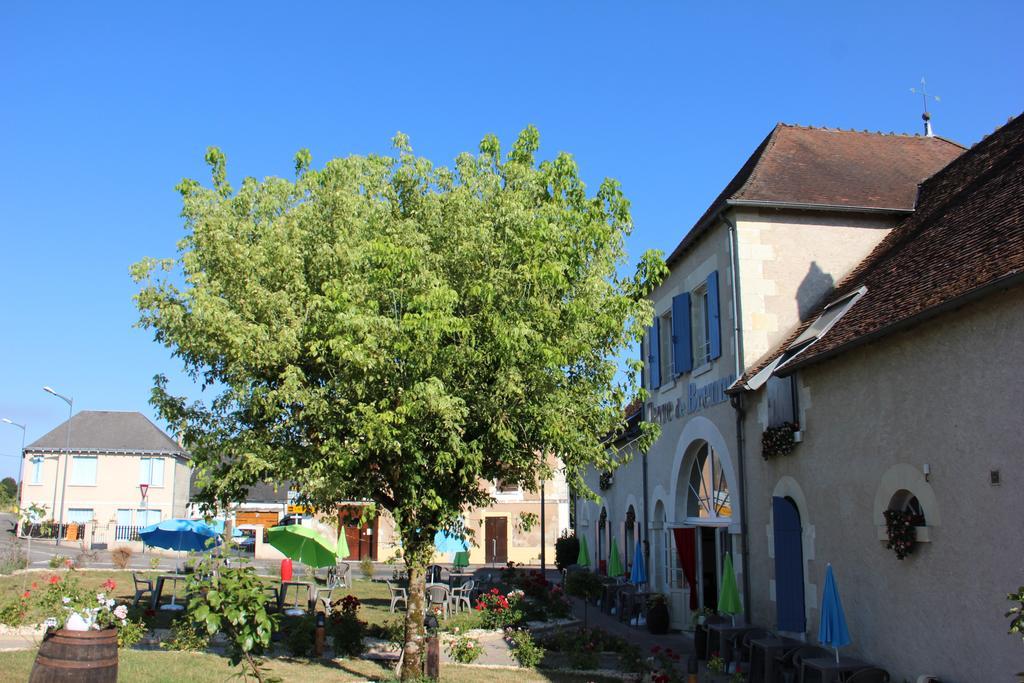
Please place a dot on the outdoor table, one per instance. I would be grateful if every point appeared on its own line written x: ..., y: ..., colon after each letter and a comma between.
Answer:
x: 830, y: 670
x: 725, y: 632
x: 610, y: 597
x: 456, y: 579
x: 633, y: 605
x: 159, y: 589
x: 310, y: 594
x: 763, y: 651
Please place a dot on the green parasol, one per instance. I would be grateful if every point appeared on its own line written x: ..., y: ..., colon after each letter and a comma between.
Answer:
x: 728, y: 595
x: 305, y: 545
x: 342, y: 544
x: 584, y: 557
x: 614, y: 563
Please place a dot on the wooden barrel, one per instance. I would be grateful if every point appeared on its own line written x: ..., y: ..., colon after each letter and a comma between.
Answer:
x: 80, y: 656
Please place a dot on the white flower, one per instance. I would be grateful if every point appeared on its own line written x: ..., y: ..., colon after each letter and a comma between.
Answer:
x: 110, y: 603
x: 65, y: 600
x: 121, y: 612
x: 101, y: 597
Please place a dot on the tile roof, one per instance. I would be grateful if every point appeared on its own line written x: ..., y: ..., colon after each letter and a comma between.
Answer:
x: 966, y: 238
x: 828, y: 168
x: 108, y: 431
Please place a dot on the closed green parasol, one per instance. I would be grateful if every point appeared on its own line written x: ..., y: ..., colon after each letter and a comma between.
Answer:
x: 729, y: 595
x: 584, y: 557
x: 614, y: 563
x: 305, y: 545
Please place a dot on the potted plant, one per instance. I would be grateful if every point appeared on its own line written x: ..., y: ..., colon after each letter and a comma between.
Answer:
x: 82, y: 632
x: 657, y: 613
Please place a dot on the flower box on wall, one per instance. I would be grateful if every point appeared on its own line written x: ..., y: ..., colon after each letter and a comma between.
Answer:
x: 922, y: 536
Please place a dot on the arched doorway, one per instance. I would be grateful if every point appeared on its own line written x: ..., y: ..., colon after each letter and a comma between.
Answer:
x: 629, y: 539
x: 602, y: 541
x: 704, y: 495
x: 787, y: 531
x: 659, y: 553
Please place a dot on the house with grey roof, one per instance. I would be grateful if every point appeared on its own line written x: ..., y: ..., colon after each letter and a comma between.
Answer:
x: 104, y: 474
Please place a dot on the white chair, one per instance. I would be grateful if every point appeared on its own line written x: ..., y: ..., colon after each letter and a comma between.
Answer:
x: 463, y: 595
x: 439, y: 595
x: 398, y: 593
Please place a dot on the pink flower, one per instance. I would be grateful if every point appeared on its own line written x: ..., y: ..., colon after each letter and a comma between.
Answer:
x: 121, y: 611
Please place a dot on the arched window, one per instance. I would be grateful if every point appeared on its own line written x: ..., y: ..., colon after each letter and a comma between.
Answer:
x: 628, y: 548
x: 709, y: 492
x: 602, y: 538
x: 905, y: 501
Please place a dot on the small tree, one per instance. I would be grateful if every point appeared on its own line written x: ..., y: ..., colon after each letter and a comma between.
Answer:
x: 27, y: 517
x: 387, y: 329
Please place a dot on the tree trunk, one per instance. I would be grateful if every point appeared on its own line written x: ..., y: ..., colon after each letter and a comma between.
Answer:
x: 416, y: 559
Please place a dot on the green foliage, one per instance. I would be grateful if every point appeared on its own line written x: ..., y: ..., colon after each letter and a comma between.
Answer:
x: 154, y: 562
x: 386, y: 328
x: 567, y: 550
x: 13, y: 612
x: 1016, y: 615
x: 525, y: 649
x: 299, y: 635
x: 131, y: 631
x: 366, y: 568
x: 57, y: 561
x: 585, y: 585
x: 464, y: 650
x: 392, y: 630
x: 526, y: 522
x: 232, y: 601
x: 498, y: 610
x: 187, y: 635
x: 346, y: 631
x: 9, y: 487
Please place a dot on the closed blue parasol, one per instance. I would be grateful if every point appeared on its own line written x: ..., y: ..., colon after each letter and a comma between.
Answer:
x: 180, y: 534
x: 638, y: 574
x: 832, y: 630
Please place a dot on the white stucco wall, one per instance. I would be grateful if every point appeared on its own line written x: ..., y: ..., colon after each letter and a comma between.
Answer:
x: 946, y: 394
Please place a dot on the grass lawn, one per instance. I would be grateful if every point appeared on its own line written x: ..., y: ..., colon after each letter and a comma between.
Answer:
x: 173, y: 667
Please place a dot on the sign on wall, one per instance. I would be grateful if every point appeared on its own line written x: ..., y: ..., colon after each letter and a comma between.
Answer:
x: 697, y: 399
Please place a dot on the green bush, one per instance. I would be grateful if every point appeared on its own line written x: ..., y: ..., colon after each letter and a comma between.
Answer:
x: 366, y: 568
x: 567, y: 550
x: 300, y: 633
x: 345, y: 628
x: 465, y: 650
x: 57, y: 561
x: 12, y: 559
x: 186, y: 636
x: 525, y: 649
x: 586, y: 585
x: 131, y: 632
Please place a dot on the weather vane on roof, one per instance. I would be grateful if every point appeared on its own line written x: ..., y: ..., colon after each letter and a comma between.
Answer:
x: 923, y: 92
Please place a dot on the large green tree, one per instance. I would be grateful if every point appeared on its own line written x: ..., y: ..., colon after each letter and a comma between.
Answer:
x: 386, y: 329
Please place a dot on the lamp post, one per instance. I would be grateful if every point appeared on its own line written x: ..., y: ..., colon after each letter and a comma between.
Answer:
x: 22, y: 427
x: 64, y: 481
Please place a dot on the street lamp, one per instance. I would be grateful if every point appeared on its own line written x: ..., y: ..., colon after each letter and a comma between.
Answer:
x: 22, y: 427
x: 63, y: 487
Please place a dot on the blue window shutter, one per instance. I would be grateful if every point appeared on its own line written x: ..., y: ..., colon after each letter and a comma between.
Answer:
x: 653, y: 354
x: 714, y: 323
x: 789, y: 566
x: 681, y: 346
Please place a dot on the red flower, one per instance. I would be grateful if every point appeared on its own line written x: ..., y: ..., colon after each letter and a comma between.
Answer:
x: 150, y: 612
x: 109, y: 584
x: 35, y: 585
x: 656, y: 649
x: 24, y: 596
x: 54, y: 579
x: 495, y: 591
x: 479, y: 606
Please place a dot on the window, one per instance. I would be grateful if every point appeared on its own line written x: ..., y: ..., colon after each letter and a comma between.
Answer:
x: 37, y: 470
x: 506, y: 487
x: 79, y: 515
x: 905, y: 501
x: 146, y: 517
x: 665, y: 348
x: 151, y: 471
x: 83, y: 470
x: 709, y: 491
x: 781, y: 401
x: 700, y: 343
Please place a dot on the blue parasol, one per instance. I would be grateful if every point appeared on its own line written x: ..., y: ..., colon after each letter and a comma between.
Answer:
x: 638, y: 574
x: 179, y: 534
x: 832, y: 630
x: 447, y: 543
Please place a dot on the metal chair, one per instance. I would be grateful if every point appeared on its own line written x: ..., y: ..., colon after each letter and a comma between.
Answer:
x: 463, y: 595
x: 273, y: 598
x: 439, y: 595
x: 142, y: 587
x: 790, y: 667
x: 741, y: 648
x: 398, y: 593
x: 870, y: 675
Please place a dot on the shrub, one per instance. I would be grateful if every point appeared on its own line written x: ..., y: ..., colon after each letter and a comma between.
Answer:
x: 84, y: 559
x: 12, y: 559
x: 497, y: 610
x: 392, y: 631
x: 465, y: 650
x: 57, y: 561
x: 366, y: 568
x: 154, y: 562
x: 525, y: 650
x: 13, y: 613
x: 586, y: 585
x: 300, y: 634
x: 345, y: 628
x: 121, y: 557
x: 130, y: 632
x: 186, y: 636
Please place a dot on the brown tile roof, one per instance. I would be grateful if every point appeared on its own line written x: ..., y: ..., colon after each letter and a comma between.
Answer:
x: 797, y: 166
x: 966, y: 238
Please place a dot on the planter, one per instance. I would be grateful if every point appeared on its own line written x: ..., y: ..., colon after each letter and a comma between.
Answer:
x: 700, y: 641
x: 657, y: 618
x: 80, y: 656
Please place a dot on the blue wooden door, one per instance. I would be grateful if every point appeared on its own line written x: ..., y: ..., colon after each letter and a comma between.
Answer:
x: 789, y: 566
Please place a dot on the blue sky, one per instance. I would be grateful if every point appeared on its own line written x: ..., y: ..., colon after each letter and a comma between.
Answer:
x: 106, y: 107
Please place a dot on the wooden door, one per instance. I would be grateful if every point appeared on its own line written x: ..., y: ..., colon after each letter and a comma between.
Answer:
x: 789, y: 566
x: 496, y: 539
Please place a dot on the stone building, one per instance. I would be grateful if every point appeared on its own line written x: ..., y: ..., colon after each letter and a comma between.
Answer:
x: 802, y: 212
x: 909, y: 400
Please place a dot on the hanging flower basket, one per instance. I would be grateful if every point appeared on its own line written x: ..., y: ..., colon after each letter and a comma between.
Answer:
x: 779, y: 440
x: 901, y: 528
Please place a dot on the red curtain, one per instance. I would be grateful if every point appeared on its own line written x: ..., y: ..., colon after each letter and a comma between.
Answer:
x: 686, y: 546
